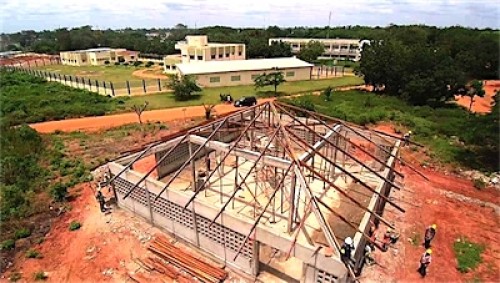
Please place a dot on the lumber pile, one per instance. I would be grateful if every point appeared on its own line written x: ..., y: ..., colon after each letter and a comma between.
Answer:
x: 190, y: 264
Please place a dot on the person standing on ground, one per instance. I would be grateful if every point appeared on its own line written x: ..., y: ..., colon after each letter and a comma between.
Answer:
x: 406, y: 138
x: 425, y: 260
x: 430, y: 232
x: 101, y: 200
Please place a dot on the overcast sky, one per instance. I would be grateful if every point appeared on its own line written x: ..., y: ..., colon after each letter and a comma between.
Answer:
x: 16, y: 15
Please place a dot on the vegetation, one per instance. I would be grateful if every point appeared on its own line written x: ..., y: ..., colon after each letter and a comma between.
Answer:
x: 311, y: 51
x: 328, y: 93
x: 428, y: 66
x: 272, y: 79
x: 468, y: 254
x: 183, y: 87
x: 28, y: 99
x: 438, y: 128
x: 8, y: 244
x: 211, y: 95
x: 15, y: 276
x: 479, y: 183
x: 22, y: 233
x: 40, y: 275
x: 74, y: 225
x: 138, y: 109
x: 33, y: 254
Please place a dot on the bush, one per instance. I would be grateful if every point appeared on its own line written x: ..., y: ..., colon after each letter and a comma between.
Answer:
x: 33, y: 254
x: 74, y: 225
x: 117, y: 63
x: 15, y: 276
x: 59, y: 191
x: 161, y: 64
x: 479, y: 183
x: 106, y: 62
x: 22, y: 233
x: 40, y: 275
x: 137, y: 63
x: 126, y: 64
x: 468, y: 254
x: 8, y: 244
x: 149, y: 64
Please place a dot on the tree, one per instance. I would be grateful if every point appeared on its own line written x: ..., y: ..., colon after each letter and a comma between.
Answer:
x: 208, y: 110
x: 138, y: 109
x: 475, y: 89
x: 183, y: 86
x: 274, y: 79
x: 311, y: 51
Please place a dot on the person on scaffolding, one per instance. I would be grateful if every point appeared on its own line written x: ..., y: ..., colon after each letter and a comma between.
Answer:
x: 406, y: 138
x: 346, y: 250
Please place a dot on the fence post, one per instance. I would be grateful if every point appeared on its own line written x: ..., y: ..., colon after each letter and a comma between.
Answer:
x: 335, y: 68
x: 128, y: 87
x: 90, y: 85
x: 59, y: 77
x: 64, y: 79
x: 70, y: 81
x: 36, y: 62
x: 97, y: 86
x: 144, y: 85
x: 112, y: 88
x: 159, y: 85
x: 343, y: 70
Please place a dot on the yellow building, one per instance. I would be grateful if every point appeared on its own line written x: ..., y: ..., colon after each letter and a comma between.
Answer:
x: 244, y: 72
x: 196, y: 48
x: 97, y: 56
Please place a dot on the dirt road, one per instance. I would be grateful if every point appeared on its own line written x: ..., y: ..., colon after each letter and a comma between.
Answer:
x: 90, y: 124
x: 481, y: 104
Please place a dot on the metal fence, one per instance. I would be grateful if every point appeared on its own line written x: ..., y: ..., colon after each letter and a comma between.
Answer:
x: 124, y: 88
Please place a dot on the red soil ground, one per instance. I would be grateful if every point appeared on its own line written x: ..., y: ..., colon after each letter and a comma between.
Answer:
x: 481, y: 104
x: 425, y: 204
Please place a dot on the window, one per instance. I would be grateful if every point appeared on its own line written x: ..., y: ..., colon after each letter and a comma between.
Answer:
x: 220, y: 55
x: 215, y: 79
x: 235, y: 78
x: 200, y: 58
x: 255, y: 76
x: 295, y: 46
x: 132, y: 57
x: 227, y: 54
x: 191, y: 57
x: 213, y: 56
x: 290, y: 74
x: 173, y: 67
x: 239, y: 53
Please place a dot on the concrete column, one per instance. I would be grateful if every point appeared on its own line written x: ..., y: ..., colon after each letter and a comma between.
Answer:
x: 256, y: 258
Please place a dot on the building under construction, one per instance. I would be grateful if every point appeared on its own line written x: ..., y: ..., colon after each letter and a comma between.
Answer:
x: 271, y: 188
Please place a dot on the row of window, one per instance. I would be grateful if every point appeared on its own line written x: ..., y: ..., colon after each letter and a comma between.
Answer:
x: 238, y: 77
x: 213, y: 56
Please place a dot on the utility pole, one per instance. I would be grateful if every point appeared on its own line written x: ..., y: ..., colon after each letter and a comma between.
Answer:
x: 329, y: 19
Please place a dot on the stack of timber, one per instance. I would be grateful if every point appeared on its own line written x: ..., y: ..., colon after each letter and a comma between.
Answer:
x: 192, y: 265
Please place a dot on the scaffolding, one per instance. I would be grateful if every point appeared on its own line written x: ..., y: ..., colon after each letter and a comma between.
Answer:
x: 309, y: 178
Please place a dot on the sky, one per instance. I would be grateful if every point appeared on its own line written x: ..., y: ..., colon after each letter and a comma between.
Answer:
x: 17, y: 15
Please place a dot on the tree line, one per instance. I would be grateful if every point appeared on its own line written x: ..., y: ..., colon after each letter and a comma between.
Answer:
x: 428, y: 66
x: 161, y: 41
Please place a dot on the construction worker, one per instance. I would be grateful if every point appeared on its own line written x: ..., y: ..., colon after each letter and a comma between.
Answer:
x: 387, y: 239
x: 425, y: 260
x: 101, y: 200
x: 406, y: 138
x: 368, y: 255
x: 373, y: 236
x: 346, y: 250
x: 430, y: 232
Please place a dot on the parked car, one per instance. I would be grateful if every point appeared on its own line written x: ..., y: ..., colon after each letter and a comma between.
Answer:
x: 246, y: 101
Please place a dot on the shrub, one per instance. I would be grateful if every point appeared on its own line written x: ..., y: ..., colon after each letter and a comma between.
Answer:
x: 106, y: 62
x: 74, y: 225
x: 8, y: 244
x: 59, y: 191
x: 149, y: 64
x: 328, y: 93
x: 126, y: 64
x: 40, y: 275
x: 479, y: 183
x: 161, y: 64
x: 117, y: 63
x: 33, y: 254
x: 22, y: 233
x: 137, y: 63
x: 468, y: 254
x: 15, y: 276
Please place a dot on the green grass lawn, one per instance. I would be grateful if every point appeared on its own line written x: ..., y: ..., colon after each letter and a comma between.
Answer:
x: 111, y: 73
x: 451, y: 134
x: 211, y: 95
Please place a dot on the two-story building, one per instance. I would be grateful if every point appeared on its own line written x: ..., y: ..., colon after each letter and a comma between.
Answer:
x: 196, y: 48
x: 335, y: 48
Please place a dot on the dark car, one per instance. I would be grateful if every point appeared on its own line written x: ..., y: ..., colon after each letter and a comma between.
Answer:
x: 246, y: 101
